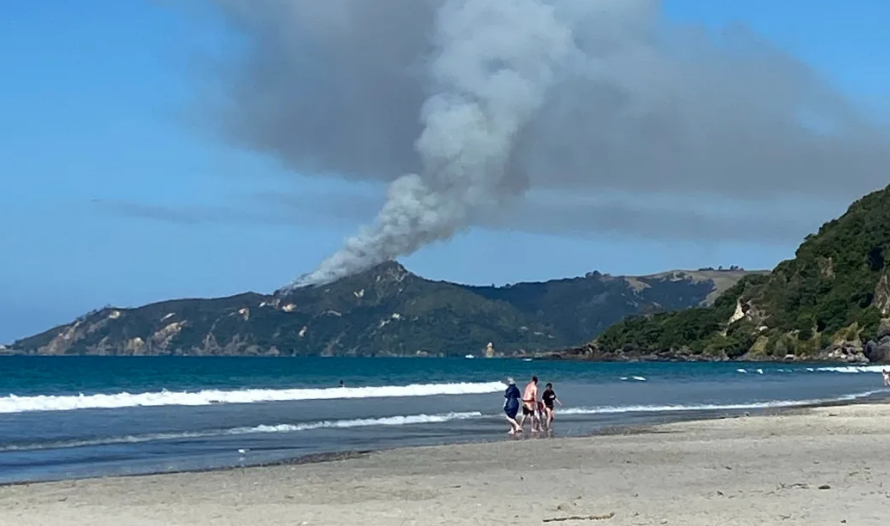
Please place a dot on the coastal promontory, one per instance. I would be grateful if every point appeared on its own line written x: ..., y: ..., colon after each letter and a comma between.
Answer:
x: 830, y: 302
x: 385, y: 311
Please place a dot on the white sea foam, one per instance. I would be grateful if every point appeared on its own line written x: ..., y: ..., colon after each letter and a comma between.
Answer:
x: 709, y: 407
x: 837, y: 369
x: 273, y: 428
x: 20, y: 404
x: 359, y: 422
x: 852, y: 369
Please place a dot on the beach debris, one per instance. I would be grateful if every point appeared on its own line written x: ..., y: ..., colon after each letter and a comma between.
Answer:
x: 580, y: 518
x: 799, y: 485
x: 824, y: 486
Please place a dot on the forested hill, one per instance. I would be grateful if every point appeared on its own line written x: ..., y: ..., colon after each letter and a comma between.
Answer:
x: 831, y: 301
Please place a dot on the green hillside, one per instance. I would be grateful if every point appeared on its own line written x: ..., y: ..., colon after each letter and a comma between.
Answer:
x: 831, y: 301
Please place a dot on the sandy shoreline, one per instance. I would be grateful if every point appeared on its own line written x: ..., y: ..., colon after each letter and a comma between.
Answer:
x: 733, y: 471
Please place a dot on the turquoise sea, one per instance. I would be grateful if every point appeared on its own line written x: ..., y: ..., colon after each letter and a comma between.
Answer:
x: 73, y: 417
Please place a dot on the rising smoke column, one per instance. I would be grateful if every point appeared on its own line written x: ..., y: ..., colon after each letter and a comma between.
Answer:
x: 493, y: 64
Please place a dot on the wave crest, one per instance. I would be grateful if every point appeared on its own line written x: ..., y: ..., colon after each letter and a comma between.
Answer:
x: 20, y: 404
x: 853, y: 369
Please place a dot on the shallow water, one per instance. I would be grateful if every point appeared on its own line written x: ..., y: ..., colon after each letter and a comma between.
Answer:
x: 85, y: 416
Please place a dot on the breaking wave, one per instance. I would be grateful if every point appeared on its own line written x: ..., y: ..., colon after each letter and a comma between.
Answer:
x: 834, y: 369
x: 20, y: 404
x: 276, y: 428
x: 851, y: 369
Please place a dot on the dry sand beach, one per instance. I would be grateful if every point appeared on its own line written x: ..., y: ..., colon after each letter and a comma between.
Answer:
x: 820, y: 466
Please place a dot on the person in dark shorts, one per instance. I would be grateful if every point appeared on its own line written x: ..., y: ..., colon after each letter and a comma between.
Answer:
x: 528, y: 404
x: 511, y: 406
x: 549, y: 398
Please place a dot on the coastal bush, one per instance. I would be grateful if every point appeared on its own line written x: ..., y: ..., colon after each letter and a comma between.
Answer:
x: 801, y: 307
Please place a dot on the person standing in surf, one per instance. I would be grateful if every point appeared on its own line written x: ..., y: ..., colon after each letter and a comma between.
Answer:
x: 511, y: 406
x: 549, y: 397
x: 528, y: 403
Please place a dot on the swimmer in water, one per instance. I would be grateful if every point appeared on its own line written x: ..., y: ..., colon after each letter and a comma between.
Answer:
x: 886, y: 374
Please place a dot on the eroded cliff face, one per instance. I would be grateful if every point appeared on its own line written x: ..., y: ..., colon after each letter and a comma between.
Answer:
x: 882, y: 294
x: 161, y: 339
x: 70, y: 336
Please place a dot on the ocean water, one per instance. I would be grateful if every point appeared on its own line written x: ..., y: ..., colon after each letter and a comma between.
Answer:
x: 75, y: 417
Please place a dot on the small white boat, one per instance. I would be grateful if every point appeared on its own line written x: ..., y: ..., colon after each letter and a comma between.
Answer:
x: 469, y: 356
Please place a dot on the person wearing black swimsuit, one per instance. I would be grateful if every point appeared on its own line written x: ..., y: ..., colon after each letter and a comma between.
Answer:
x: 549, y: 398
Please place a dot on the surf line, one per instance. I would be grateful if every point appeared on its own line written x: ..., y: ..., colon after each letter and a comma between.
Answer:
x: 20, y: 404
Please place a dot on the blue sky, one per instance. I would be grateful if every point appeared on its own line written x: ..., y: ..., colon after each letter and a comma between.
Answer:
x: 95, y: 103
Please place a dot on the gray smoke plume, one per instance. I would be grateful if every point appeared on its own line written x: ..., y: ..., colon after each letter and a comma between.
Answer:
x: 493, y: 64
x: 480, y: 101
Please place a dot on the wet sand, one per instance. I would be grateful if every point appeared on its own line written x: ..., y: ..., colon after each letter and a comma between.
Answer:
x: 827, y: 465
